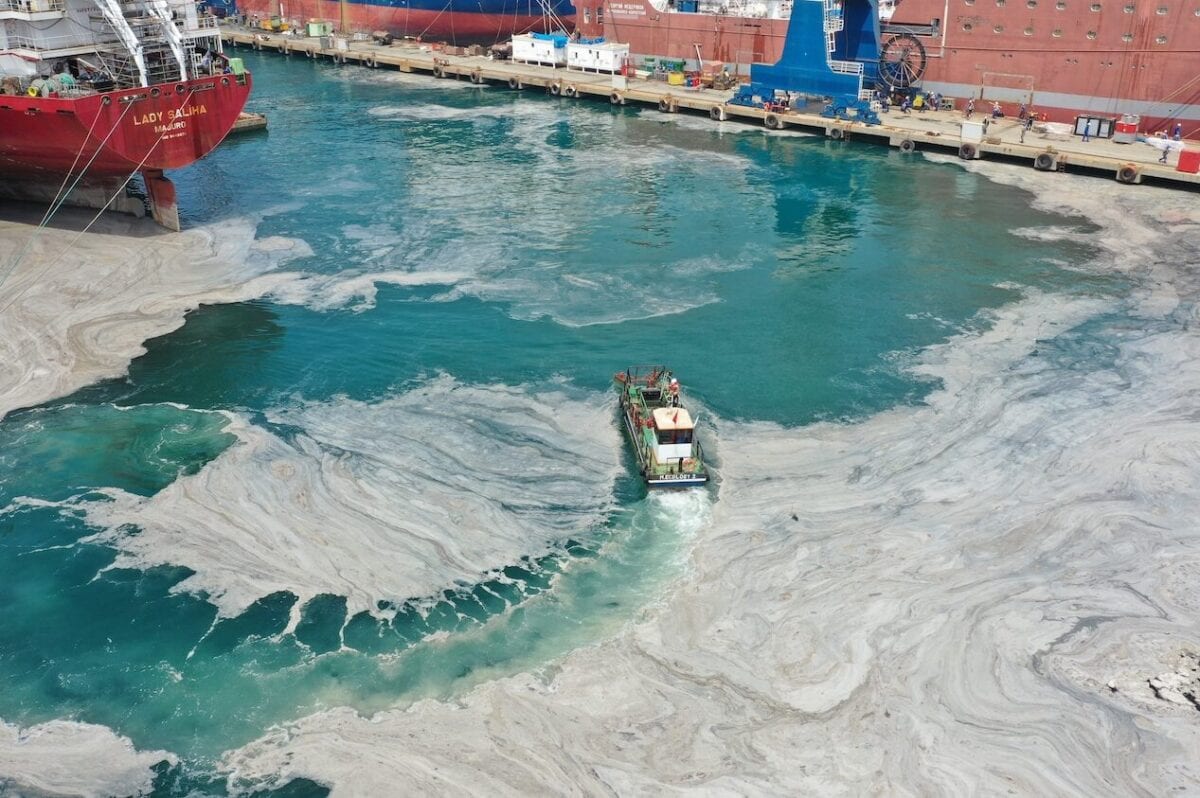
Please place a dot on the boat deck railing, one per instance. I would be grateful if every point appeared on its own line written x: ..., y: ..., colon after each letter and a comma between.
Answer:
x: 32, y: 6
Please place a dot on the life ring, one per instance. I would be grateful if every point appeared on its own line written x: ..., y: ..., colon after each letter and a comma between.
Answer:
x: 514, y: 84
x: 555, y: 89
x: 439, y: 71
x: 773, y: 121
x: 31, y: 91
x: 717, y: 113
x: 616, y: 98
x: 837, y: 134
x: 967, y: 152
x: 1128, y: 173
x: 664, y: 105
x: 1044, y: 162
x: 570, y: 91
x: 907, y: 145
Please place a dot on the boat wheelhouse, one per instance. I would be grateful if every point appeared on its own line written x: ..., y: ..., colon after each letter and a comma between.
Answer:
x: 661, y: 429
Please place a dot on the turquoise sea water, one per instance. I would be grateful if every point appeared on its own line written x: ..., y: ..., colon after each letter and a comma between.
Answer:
x: 784, y: 278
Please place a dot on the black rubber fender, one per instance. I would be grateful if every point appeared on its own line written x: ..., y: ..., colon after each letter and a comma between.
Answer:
x: 967, y: 152
x: 907, y: 145
x: 1128, y: 173
x: 1045, y: 162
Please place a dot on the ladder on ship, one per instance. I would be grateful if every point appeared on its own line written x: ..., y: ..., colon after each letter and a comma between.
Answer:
x: 112, y: 14
x: 835, y: 23
x: 158, y: 53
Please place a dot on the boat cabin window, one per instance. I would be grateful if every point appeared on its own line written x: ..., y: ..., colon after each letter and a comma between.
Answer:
x: 652, y: 394
x: 600, y: 15
x: 669, y: 436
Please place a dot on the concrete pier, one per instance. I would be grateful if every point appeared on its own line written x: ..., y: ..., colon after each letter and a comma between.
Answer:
x: 927, y: 131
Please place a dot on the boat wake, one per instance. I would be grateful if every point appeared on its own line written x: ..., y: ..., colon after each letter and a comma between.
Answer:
x: 980, y: 593
x: 67, y: 758
x: 377, y: 502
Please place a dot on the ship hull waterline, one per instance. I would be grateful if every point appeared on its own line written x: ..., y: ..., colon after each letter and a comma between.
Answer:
x: 50, y: 141
x: 1109, y: 75
x: 485, y: 22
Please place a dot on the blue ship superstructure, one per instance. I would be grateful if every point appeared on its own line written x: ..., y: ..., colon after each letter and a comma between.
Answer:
x: 831, y: 50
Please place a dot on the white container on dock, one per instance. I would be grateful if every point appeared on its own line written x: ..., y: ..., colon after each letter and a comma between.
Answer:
x: 597, y: 55
x: 546, y: 49
x: 972, y: 132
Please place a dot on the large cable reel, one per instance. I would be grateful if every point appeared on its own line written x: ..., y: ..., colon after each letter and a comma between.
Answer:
x: 902, y: 61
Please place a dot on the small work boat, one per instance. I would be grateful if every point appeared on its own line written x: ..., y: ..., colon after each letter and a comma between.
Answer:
x: 661, y: 429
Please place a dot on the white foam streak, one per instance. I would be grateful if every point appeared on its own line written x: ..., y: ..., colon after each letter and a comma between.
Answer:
x: 559, y: 264
x: 351, y: 291
x: 79, y: 759
x: 967, y: 597
x: 72, y: 315
x: 391, y: 501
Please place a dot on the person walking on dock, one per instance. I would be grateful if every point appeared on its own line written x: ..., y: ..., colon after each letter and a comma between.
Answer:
x: 1177, y: 134
x: 1026, y: 127
x: 970, y: 107
x: 1087, y: 131
x: 1022, y: 112
x: 1166, y: 151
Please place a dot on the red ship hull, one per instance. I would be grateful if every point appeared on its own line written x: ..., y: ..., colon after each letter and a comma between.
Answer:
x: 736, y: 41
x: 111, y: 136
x: 438, y: 23
x: 1064, y: 58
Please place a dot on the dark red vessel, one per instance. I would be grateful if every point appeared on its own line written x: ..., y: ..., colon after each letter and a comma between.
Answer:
x: 454, y: 21
x: 87, y: 115
x: 1064, y: 58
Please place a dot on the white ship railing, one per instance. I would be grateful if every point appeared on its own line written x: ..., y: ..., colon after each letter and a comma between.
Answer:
x: 39, y: 44
x: 204, y: 27
x: 33, y: 6
x: 834, y: 21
